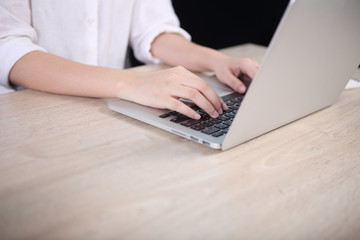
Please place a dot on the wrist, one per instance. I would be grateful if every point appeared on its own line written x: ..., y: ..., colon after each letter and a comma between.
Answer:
x: 213, y: 59
x: 125, y: 84
x: 121, y: 85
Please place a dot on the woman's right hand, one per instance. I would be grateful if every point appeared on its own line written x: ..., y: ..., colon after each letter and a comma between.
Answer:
x: 162, y: 89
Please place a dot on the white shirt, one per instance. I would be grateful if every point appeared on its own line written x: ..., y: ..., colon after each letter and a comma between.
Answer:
x: 95, y: 32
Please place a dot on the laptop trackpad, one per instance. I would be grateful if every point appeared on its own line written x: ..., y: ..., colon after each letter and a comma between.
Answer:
x: 220, y: 88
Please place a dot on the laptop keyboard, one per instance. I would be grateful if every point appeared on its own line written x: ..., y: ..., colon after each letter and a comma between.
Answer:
x: 215, y: 127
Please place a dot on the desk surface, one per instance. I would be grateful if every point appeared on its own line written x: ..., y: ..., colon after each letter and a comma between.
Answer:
x: 72, y: 169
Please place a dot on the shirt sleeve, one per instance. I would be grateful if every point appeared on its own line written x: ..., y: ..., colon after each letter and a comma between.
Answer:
x: 17, y: 37
x: 150, y: 19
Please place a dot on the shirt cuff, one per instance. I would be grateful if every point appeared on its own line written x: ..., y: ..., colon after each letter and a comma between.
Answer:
x: 10, y: 52
x: 147, y: 57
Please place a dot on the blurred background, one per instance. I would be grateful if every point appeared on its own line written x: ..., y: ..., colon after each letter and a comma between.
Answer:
x: 225, y: 23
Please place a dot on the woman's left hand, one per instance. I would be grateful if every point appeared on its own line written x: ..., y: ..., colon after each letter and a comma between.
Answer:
x: 236, y: 72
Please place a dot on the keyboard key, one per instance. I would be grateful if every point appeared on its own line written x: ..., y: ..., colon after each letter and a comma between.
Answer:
x: 190, y: 122
x: 225, y: 131
x: 197, y: 127
x: 205, y: 116
x: 223, y: 118
x: 218, y: 134
x: 174, y: 113
x: 229, y: 103
x: 165, y: 115
x: 237, y: 99
x: 210, y: 130
x: 207, y: 124
x: 179, y: 119
x: 214, y: 120
x: 230, y: 114
x: 234, y: 107
x: 221, y: 126
x: 228, y: 122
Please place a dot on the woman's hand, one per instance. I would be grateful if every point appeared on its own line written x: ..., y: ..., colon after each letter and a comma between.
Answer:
x: 173, y: 50
x: 235, y: 72
x: 162, y: 89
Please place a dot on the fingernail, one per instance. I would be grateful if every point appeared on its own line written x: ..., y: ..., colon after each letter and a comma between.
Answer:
x: 242, y: 89
x: 215, y: 114
x: 197, y: 116
x: 220, y: 111
x: 224, y: 106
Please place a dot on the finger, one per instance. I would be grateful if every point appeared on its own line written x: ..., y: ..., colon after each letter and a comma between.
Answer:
x: 206, y: 91
x: 180, y: 107
x: 193, y: 81
x: 198, y: 98
x: 232, y: 81
x: 250, y: 68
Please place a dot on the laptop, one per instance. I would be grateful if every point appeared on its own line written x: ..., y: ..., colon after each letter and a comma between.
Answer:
x: 310, y: 59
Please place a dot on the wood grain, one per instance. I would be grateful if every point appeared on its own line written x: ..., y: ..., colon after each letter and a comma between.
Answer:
x: 72, y: 169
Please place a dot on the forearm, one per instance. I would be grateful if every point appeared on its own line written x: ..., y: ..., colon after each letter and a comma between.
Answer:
x: 46, y: 72
x: 161, y: 89
x: 174, y: 50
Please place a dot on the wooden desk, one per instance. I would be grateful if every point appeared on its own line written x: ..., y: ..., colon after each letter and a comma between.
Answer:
x: 72, y: 169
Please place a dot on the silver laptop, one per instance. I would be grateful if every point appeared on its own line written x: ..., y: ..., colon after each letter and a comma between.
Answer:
x: 311, y: 57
